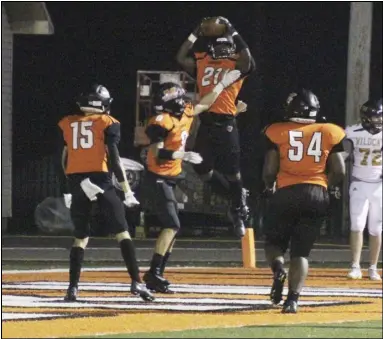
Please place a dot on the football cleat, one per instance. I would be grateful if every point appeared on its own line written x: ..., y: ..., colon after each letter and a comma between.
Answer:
x: 157, y: 283
x: 290, y: 306
x: 373, y: 274
x: 71, y: 294
x: 139, y: 289
x: 277, y: 287
x: 236, y: 218
x: 355, y: 273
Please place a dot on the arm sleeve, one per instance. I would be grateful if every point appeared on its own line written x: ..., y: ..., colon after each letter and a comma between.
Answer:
x: 112, y: 139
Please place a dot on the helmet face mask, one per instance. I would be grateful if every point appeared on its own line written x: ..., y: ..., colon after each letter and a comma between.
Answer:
x: 222, y: 47
x: 371, y: 116
x: 97, y: 100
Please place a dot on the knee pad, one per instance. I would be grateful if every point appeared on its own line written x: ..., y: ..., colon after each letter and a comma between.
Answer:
x: 375, y: 229
x: 357, y: 225
x: 80, y: 242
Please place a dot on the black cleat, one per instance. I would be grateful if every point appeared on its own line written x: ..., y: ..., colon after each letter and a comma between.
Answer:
x: 290, y: 306
x: 139, y: 289
x: 235, y: 216
x: 157, y: 283
x: 71, y: 294
x: 277, y: 287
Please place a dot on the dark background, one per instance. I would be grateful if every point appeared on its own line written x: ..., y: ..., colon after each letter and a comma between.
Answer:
x: 294, y: 44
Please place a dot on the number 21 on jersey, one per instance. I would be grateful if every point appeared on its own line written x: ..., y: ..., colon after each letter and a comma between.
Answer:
x: 297, y: 151
x: 212, y: 75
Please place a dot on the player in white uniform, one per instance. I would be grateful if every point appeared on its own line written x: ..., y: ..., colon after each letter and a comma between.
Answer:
x: 364, y: 145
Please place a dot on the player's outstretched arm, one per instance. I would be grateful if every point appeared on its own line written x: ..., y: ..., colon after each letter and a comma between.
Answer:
x: 183, y: 57
x: 245, y: 62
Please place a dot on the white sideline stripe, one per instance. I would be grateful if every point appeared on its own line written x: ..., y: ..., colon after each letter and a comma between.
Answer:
x: 12, y: 300
x: 95, y: 269
x: 187, y: 288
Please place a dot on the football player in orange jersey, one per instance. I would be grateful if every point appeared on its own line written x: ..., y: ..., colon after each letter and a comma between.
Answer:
x: 168, y: 132
x: 303, y: 159
x: 91, y: 138
x: 217, y: 138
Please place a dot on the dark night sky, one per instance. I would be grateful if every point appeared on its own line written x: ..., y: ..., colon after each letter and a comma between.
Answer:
x: 293, y: 44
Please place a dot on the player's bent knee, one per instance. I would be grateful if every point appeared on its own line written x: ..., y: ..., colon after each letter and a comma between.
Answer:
x: 80, y: 242
x: 234, y: 177
x: 357, y: 227
x: 122, y: 236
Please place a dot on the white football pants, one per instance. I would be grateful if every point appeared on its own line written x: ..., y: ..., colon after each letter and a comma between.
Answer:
x: 366, y: 202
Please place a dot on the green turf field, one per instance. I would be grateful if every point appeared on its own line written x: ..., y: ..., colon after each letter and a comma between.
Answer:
x: 363, y: 329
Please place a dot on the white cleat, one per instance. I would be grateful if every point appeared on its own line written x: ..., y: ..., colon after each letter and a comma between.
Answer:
x: 355, y: 273
x: 373, y: 274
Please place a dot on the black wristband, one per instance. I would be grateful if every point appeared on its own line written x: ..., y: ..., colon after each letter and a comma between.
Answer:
x: 165, y: 154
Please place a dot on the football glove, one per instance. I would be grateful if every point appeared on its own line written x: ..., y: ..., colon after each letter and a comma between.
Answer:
x: 67, y: 200
x: 192, y: 157
x: 130, y: 200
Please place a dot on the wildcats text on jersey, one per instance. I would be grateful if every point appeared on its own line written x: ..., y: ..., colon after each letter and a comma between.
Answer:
x: 367, y: 154
x: 363, y: 141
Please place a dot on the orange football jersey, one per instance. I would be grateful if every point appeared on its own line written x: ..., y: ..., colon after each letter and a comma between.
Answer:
x: 177, y: 134
x: 303, y: 150
x: 85, y: 138
x: 209, y: 72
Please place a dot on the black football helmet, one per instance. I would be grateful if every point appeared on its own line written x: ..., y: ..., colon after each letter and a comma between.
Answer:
x: 170, y: 98
x: 302, y: 106
x: 96, y: 100
x: 371, y: 116
x: 222, y: 47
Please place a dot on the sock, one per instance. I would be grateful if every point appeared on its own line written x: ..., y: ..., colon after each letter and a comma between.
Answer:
x: 236, y: 193
x: 129, y: 255
x: 164, y: 261
x: 156, y: 263
x: 276, y: 266
x: 372, y: 267
x: 219, y: 184
x: 76, y: 258
x: 293, y: 296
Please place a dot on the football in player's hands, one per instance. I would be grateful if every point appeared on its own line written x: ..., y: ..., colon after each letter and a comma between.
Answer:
x: 211, y: 27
